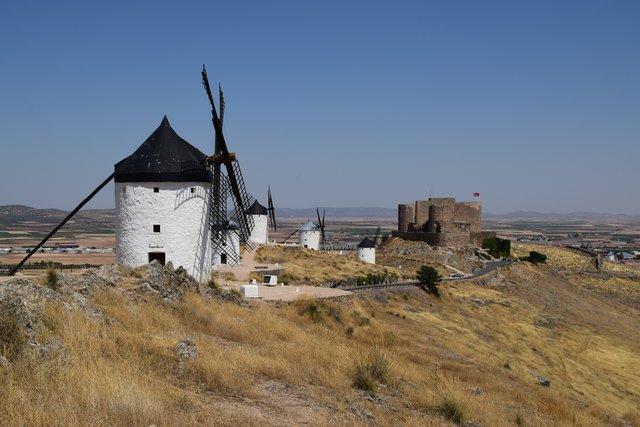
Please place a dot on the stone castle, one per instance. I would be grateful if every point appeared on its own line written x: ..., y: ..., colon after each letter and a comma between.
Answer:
x: 442, y: 222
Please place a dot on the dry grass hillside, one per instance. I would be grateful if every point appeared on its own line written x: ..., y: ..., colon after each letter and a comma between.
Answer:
x: 317, y: 267
x: 615, y: 281
x: 410, y: 256
x: 473, y: 357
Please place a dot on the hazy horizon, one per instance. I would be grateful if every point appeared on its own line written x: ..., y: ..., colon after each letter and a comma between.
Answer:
x: 391, y: 209
x: 534, y: 105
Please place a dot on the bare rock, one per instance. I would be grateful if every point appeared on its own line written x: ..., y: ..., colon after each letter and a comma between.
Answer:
x: 475, y: 390
x: 53, y: 349
x: 227, y: 296
x: 363, y: 414
x: 186, y: 348
x: 544, y: 382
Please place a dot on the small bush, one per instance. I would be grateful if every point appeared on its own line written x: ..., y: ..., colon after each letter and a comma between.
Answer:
x: 363, y: 380
x: 359, y: 318
x: 51, y: 279
x: 452, y: 409
x: 311, y: 308
x: 373, y: 368
x: 12, y: 334
x: 535, y: 258
x: 429, y: 279
x: 497, y: 247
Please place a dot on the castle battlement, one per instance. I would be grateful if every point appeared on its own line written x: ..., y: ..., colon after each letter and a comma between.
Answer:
x: 441, y: 221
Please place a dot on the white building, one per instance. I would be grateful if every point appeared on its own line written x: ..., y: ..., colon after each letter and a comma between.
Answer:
x: 260, y: 232
x: 229, y: 254
x: 162, y: 196
x: 366, y: 251
x: 309, y: 235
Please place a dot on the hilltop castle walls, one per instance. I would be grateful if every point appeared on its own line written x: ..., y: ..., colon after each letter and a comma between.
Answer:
x: 471, y: 213
x: 406, y: 217
x: 441, y: 221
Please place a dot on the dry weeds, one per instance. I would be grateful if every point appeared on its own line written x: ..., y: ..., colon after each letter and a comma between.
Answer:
x: 474, y: 355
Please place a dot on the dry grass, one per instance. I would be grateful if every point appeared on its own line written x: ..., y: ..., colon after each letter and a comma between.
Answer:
x: 314, y: 267
x: 436, y: 362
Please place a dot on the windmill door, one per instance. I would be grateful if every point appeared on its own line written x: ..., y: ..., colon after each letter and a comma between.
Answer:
x: 223, y: 258
x: 159, y: 256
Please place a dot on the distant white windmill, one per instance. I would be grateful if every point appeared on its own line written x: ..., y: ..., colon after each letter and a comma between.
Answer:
x: 366, y: 250
x: 311, y: 234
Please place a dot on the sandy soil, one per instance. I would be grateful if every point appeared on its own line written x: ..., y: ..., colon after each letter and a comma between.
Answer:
x: 290, y: 293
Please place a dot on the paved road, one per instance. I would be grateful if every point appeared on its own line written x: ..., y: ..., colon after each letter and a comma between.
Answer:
x: 488, y: 267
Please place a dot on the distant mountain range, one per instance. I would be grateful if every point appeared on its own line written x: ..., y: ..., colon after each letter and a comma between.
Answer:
x: 542, y: 216
x: 377, y: 213
x: 18, y: 213
x: 15, y: 213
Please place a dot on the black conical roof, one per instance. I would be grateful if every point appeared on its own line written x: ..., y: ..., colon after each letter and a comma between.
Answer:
x: 257, y: 209
x: 163, y: 157
x: 367, y: 243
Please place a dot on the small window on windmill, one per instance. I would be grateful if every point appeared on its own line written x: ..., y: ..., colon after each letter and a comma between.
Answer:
x: 156, y: 189
x: 124, y: 190
x: 193, y: 190
x: 156, y: 228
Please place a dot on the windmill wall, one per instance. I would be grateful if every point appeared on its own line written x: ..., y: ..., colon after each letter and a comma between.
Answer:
x: 229, y: 251
x: 367, y: 255
x: 259, y: 234
x: 309, y: 239
x: 181, y: 210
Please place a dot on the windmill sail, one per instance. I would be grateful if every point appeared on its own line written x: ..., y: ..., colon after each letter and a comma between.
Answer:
x: 271, y: 210
x: 225, y: 186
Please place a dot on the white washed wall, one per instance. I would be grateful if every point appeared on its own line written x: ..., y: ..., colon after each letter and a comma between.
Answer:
x: 183, y: 217
x: 367, y: 255
x: 310, y: 239
x: 259, y: 234
x: 233, y: 241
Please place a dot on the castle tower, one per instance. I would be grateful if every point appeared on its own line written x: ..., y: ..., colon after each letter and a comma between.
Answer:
x: 406, y: 216
x: 309, y: 235
x: 162, y: 195
x: 366, y: 251
x: 260, y: 233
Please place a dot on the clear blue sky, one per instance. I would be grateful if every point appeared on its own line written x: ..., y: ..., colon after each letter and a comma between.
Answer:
x: 535, y: 104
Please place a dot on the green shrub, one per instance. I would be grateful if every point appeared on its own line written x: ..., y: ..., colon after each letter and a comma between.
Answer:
x: 497, y: 247
x: 535, y: 258
x: 429, y: 279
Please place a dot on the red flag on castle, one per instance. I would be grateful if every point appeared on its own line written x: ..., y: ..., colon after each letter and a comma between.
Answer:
x: 476, y: 194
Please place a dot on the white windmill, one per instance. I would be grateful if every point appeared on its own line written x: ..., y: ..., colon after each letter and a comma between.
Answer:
x: 310, y: 234
x: 366, y: 250
x: 162, y: 194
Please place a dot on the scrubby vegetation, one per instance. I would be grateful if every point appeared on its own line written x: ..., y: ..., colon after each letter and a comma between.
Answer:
x: 51, y: 279
x: 534, y: 257
x: 497, y: 247
x: 473, y: 357
x: 429, y: 279
x: 12, y: 334
x: 307, y: 266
